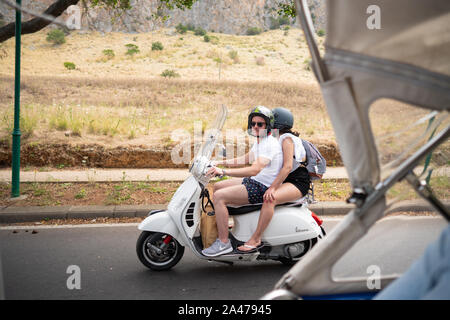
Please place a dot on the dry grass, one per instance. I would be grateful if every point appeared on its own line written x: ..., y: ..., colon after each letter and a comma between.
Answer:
x: 80, y: 194
x: 187, y: 53
x: 121, y: 99
x: 150, y: 109
x: 400, y: 129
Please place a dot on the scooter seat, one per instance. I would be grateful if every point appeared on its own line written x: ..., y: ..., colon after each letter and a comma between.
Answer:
x: 234, y: 211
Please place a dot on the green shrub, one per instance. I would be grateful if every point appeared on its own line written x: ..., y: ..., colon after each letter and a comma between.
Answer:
x: 109, y: 53
x: 181, y: 29
x: 157, y: 46
x: 233, y: 54
x: 69, y: 65
x: 275, y: 23
x: 81, y: 194
x: 321, y: 33
x: 307, y: 64
x: 206, y: 38
x: 200, y: 32
x: 190, y: 27
x: 131, y: 49
x: 213, y: 39
x: 56, y: 36
x: 284, y: 20
x: 252, y: 31
x: 169, y: 74
x: 28, y: 124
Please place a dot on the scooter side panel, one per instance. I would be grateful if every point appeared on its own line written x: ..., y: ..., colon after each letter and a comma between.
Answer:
x: 185, y: 206
x: 288, y: 225
x: 161, y: 222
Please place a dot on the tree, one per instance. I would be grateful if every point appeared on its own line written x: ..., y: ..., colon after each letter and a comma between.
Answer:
x: 59, y: 6
x: 287, y: 9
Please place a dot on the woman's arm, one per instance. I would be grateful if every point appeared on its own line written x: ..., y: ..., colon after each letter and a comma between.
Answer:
x: 288, y: 156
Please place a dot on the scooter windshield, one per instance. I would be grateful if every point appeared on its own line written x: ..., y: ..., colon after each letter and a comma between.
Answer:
x: 212, y: 134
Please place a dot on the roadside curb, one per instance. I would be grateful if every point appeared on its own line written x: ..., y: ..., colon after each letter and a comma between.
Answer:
x: 120, y: 175
x: 39, y: 213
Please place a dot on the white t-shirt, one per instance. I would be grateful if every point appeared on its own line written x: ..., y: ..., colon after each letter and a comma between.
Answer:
x: 268, y: 148
x: 299, y: 149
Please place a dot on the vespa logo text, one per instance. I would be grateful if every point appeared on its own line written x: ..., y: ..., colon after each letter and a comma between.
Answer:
x: 300, y: 230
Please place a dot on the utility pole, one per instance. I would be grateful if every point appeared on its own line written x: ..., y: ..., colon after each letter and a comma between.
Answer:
x: 15, y: 190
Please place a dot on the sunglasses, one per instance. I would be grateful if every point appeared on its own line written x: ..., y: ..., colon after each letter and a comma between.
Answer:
x: 259, y: 124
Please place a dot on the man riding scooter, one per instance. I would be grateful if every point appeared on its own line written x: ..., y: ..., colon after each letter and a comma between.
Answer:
x: 292, y: 231
x: 248, y: 184
x: 292, y: 182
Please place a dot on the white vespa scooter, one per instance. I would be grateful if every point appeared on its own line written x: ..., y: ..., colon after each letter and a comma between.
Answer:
x: 165, y: 233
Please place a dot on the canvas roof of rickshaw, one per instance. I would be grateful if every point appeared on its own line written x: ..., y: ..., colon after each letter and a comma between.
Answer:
x: 407, y: 59
x: 410, y: 49
x: 415, y: 32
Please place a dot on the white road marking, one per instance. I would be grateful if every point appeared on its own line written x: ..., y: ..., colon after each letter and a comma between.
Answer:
x: 68, y: 226
x: 135, y: 224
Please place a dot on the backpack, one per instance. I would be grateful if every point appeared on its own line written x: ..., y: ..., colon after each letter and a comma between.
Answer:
x: 315, y: 162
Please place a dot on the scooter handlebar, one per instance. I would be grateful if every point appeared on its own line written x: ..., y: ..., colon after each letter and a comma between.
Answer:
x: 200, y: 168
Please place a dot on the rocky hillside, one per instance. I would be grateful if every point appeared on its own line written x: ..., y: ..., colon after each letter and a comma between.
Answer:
x: 224, y: 16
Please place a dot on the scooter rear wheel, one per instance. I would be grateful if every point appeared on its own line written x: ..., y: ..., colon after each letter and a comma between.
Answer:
x: 149, y: 252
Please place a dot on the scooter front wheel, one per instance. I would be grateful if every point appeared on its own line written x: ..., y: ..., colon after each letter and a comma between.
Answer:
x: 158, y: 251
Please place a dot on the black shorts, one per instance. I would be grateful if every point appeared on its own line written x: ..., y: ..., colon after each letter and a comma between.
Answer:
x: 301, y: 179
x: 255, y: 190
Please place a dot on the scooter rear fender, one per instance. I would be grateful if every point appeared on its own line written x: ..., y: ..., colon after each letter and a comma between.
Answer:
x: 161, y: 222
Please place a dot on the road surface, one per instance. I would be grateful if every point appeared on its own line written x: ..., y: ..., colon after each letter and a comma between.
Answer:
x: 41, y: 264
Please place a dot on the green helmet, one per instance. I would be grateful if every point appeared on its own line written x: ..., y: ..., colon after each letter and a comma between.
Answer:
x: 283, y: 118
x: 263, y: 112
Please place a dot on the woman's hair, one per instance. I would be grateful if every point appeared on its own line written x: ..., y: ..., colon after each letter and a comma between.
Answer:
x: 283, y: 131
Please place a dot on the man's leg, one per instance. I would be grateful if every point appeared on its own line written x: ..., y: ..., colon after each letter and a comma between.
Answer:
x: 226, y: 183
x: 236, y: 195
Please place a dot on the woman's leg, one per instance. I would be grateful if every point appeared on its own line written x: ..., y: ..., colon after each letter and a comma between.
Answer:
x: 285, y: 193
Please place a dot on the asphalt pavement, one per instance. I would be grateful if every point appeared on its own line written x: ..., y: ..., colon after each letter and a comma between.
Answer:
x: 40, y: 264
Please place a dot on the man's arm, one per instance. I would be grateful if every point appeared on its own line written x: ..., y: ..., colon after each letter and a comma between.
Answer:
x: 250, y: 171
x: 236, y: 162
